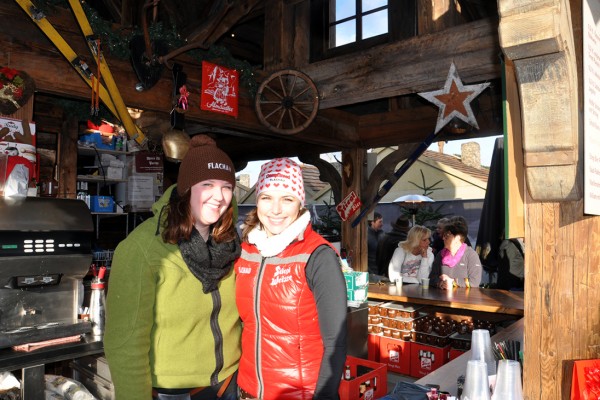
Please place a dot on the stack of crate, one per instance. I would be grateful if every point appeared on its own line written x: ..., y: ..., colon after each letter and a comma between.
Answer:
x: 395, y: 344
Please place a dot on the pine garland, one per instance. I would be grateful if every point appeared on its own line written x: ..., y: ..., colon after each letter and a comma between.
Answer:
x: 116, y: 43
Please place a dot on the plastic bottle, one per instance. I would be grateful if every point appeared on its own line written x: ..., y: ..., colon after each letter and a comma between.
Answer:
x: 98, y: 304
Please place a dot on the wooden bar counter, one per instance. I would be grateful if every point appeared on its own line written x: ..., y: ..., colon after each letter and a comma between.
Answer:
x: 476, y: 299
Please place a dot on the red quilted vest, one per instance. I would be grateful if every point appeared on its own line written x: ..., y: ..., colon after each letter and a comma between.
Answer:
x: 281, y: 342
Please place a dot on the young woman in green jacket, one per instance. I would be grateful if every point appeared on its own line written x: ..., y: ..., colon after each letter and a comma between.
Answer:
x: 172, y: 327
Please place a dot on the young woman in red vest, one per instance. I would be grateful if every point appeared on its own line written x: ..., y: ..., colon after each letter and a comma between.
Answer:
x: 291, y: 295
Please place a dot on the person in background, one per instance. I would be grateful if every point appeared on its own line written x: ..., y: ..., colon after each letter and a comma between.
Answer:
x: 463, y: 221
x: 172, y: 325
x: 456, y: 264
x: 511, y: 264
x: 374, y: 231
x: 291, y: 295
x: 388, y: 243
x: 437, y: 241
x: 413, y: 257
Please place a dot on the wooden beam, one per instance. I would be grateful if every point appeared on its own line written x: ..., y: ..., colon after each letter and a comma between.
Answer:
x: 388, y: 70
x: 413, y: 125
x: 409, y: 66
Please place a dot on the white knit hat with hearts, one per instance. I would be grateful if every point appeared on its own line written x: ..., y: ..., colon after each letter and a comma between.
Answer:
x: 281, y: 174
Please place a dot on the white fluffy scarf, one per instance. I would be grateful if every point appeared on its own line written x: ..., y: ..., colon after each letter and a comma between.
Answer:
x: 271, y: 246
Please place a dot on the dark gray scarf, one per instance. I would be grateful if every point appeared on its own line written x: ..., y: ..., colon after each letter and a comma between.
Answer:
x: 209, y: 262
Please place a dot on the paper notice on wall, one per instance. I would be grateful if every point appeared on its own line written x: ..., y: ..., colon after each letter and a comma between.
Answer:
x: 140, y: 192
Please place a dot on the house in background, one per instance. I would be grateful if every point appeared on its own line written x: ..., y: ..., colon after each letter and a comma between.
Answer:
x: 457, y: 184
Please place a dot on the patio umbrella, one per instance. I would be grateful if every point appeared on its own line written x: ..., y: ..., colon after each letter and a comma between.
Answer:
x: 413, y: 200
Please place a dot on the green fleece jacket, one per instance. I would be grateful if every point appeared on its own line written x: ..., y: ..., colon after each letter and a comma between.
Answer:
x: 158, y: 320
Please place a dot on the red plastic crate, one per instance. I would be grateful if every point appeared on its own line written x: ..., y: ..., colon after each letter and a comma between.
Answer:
x: 377, y: 375
x: 425, y: 359
x: 454, y: 353
x: 373, y: 347
x: 396, y: 354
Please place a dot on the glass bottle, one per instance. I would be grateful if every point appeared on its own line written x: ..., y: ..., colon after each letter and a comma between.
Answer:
x: 347, y: 373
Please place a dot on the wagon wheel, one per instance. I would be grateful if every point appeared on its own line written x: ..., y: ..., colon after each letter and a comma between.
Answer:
x: 287, y: 102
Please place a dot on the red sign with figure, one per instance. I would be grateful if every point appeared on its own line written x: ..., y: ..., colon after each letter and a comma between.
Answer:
x: 348, y: 206
x: 219, y: 89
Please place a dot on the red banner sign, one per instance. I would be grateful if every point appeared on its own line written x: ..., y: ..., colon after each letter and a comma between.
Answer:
x: 219, y: 89
x: 348, y: 206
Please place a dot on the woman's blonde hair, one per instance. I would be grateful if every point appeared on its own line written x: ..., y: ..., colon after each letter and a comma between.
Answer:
x: 413, y: 239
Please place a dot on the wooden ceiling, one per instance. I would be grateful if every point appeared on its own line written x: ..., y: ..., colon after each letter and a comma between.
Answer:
x: 367, y: 97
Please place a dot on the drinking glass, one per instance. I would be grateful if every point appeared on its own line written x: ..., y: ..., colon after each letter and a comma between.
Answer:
x: 481, y: 349
x: 508, y: 383
x: 477, y: 386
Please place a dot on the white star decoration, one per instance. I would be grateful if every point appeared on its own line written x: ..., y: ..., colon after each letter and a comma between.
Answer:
x: 454, y: 100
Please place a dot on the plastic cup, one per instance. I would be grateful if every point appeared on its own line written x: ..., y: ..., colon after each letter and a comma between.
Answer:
x: 399, y: 283
x: 481, y: 349
x: 425, y: 283
x: 508, y: 383
x: 477, y: 385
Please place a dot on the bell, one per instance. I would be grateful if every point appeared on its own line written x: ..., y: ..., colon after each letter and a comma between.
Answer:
x: 175, y: 144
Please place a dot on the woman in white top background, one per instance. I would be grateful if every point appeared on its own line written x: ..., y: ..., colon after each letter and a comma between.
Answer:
x: 413, y: 258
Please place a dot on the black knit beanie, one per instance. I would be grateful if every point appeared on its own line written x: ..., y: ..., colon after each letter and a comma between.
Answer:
x: 203, y: 161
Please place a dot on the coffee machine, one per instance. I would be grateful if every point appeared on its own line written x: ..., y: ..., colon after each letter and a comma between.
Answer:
x: 45, y: 251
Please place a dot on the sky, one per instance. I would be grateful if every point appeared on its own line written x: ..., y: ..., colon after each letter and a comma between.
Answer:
x: 486, y: 146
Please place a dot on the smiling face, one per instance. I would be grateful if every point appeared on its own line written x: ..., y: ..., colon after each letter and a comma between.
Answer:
x: 209, y: 200
x: 276, y: 210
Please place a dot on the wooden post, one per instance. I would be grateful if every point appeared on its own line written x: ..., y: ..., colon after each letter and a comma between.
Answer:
x: 287, y: 34
x: 355, y: 239
x: 67, y: 158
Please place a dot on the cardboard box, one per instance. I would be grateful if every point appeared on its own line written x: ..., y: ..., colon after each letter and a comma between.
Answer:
x: 114, y: 173
x: 363, y: 371
x: 102, y: 204
x: 425, y: 359
x: 359, y: 294
x: 356, y: 279
x: 396, y: 354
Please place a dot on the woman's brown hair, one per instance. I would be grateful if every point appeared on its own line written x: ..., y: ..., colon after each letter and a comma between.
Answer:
x: 179, y: 223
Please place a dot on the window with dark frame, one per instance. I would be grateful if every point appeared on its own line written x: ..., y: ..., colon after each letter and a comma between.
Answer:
x: 345, y: 26
x: 352, y: 21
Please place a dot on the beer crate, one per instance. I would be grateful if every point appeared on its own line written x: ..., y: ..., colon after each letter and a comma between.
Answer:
x: 454, y: 353
x: 373, y: 346
x: 368, y: 380
x: 396, y: 354
x: 425, y: 359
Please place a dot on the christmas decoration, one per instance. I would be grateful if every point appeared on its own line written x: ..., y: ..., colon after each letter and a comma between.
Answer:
x: 454, y: 100
x: 219, y: 89
x: 182, y: 103
x: 16, y: 87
